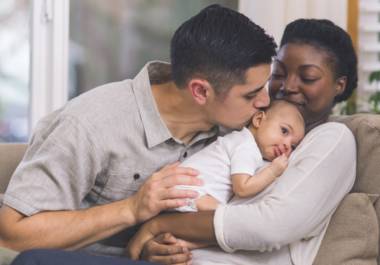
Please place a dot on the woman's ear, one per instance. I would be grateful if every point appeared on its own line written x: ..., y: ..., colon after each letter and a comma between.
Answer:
x: 257, y: 118
x: 340, y: 85
x: 200, y: 89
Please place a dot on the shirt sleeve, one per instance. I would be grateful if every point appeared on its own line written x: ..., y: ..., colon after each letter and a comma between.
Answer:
x: 243, y: 152
x: 58, y: 169
x: 246, y: 158
x: 320, y: 172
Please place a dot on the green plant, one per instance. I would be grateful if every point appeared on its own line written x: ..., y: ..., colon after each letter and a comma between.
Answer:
x: 374, y: 98
x: 349, y: 106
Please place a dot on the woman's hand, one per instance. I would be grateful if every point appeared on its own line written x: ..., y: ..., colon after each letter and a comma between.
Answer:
x: 162, y: 248
x: 136, y: 244
x: 166, y: 249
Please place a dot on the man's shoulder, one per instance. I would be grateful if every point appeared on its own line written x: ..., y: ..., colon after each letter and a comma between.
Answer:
x: 106, y: 102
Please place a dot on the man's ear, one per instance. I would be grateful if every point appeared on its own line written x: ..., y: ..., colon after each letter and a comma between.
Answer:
x: 200, y: 89
x: 257, y: 118
x: 340, y: 85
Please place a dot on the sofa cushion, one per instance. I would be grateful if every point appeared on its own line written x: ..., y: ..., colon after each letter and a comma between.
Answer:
x: 366, y: 129
x: 10, y: 156
x: 352, y: 235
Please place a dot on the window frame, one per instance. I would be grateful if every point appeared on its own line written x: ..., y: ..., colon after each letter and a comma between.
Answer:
x: 49, y: 58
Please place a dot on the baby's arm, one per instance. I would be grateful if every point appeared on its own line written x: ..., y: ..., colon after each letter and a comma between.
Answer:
x: 244, y: 185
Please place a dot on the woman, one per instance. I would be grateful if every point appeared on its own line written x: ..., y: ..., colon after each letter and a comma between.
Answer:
x: 315, y: 68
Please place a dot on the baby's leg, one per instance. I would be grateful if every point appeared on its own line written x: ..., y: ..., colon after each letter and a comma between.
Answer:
x: 206, y: 203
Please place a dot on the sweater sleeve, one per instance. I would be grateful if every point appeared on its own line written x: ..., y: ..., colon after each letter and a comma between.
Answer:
x: 320, y: 172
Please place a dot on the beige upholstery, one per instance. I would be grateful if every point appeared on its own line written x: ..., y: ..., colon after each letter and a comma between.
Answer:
x: 352, y: 235
x: 10, y: 156
x: 354, y: 209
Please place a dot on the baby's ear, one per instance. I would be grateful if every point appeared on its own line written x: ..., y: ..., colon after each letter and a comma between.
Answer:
x: 257, y: 118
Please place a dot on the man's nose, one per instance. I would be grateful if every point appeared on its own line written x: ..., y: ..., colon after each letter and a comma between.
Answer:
x: 262, y: 99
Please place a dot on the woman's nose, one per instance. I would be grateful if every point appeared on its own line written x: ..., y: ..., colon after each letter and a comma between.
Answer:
x: 290, y: 85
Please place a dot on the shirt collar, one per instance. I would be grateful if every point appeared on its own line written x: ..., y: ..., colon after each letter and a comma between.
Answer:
x: 155, y: 128
x: 156, y: 131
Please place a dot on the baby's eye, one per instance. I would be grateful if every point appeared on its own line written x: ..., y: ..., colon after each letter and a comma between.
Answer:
x: 284, y: 130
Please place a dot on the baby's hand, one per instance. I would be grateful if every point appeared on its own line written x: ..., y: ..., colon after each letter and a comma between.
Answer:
x: 279, y: 164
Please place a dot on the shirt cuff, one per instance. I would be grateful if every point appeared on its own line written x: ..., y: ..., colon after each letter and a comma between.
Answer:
x: 218, y: 227
x: 19, y: 205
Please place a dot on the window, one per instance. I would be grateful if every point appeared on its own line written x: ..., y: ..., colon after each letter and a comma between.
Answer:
x: 369, y: 44
x: 14, y: 70
x: 112, y: 42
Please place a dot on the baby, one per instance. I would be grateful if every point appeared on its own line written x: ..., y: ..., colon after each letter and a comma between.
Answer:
x: 228, y: 166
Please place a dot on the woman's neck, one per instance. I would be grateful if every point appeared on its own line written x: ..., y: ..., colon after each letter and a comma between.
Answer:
x: 320, y: 120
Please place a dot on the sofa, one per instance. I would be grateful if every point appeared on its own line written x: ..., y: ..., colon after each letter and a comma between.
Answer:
x: 352, y: 236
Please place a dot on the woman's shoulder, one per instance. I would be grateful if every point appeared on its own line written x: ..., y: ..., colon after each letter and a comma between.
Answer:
x: 331, y: 132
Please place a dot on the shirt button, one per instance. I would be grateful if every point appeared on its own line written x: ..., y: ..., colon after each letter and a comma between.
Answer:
x: 185, y: 155
x: 136, y: 176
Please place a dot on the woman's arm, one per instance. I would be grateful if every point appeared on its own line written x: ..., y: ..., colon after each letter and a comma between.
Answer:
x: 195, y: 227
x: 320, y: 172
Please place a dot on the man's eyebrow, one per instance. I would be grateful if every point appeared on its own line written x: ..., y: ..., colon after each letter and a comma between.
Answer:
x: 256, y: 90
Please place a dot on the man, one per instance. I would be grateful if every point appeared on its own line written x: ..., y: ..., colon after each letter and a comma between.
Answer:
x: 100, y: 164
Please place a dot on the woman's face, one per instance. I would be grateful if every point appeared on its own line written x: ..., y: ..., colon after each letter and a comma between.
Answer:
x: 303, y: 75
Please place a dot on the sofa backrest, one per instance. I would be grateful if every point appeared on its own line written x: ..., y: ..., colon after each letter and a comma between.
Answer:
x: 10, y: 156
x: 366, y: 129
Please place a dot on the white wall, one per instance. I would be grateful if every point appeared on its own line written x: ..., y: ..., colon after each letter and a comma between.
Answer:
x: 273, y: 15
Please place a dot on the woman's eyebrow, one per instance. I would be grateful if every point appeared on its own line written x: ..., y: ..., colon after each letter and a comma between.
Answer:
x: 282, y: 65
x: 306, y: 66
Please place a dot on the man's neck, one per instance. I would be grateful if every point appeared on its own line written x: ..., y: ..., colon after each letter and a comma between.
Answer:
x: 183, y: 117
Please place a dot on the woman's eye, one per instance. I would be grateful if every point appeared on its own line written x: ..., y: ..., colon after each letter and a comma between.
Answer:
x: 309, y: 80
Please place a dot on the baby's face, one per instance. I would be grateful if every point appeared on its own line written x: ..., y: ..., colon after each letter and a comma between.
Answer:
x: 280, y: 132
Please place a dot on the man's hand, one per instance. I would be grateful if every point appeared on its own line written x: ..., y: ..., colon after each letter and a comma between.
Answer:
x: 158, y: 193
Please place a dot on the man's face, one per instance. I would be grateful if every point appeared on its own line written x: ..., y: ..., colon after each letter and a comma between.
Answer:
x: 236, y: 108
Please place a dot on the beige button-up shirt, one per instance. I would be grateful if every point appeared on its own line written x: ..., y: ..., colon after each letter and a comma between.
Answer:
x: 97, y: 149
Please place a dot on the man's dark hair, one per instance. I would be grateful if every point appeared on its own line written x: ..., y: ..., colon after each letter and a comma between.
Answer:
x: 325, y: 35
x: 219, y: 45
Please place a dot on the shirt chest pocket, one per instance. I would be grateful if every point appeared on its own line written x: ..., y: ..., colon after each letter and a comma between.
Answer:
x: 123, y: 182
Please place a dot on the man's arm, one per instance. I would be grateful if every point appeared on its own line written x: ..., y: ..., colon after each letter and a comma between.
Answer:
x: 62, y: 229
x: 75, y: 229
